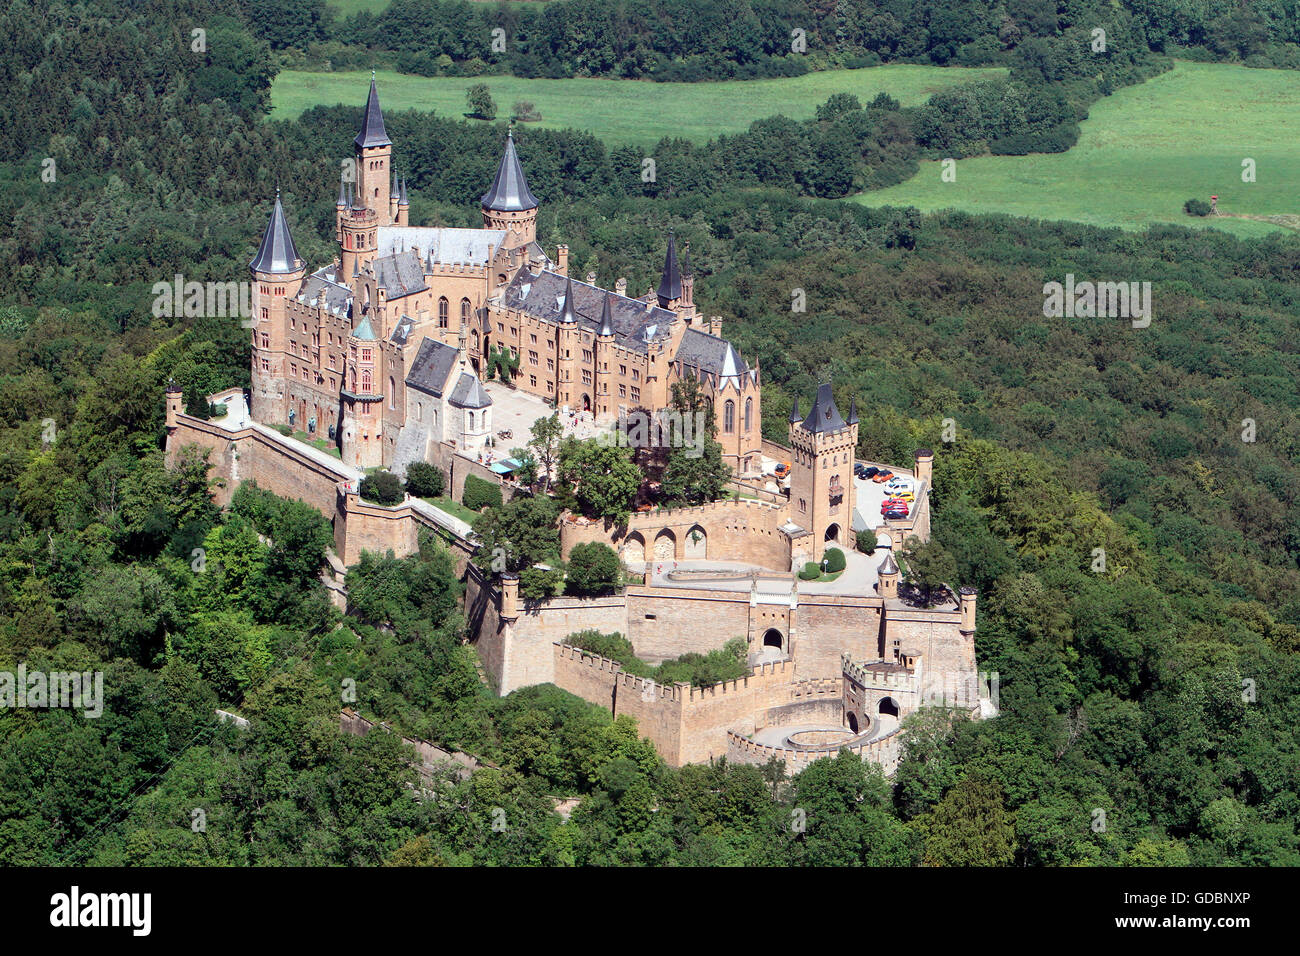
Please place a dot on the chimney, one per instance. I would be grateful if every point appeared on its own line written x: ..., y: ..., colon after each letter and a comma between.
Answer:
x: 620, y: 287
x: 924, y: 459
x: 715, y: 325
x: 562, y: 254
x: 591, y: 278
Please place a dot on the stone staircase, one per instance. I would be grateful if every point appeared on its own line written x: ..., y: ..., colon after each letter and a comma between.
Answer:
x: 411, y: 446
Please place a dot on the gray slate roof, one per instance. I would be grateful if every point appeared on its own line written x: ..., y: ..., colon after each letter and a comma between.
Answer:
x: 372, y: 122
x: 400, y: 274
x: 319, y: 290
x: 469, y: 393
x: 670, y: 286
x: 433, y: 362
x: 824, y: 416
x: 402, y: 330
x: 708, y: 353
x: 509, y: 192
x: 441, y: 246
x: 276, y: 254
x: 541, y: 296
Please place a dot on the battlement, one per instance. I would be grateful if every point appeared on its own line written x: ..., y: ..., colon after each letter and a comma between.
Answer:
x: 883, y: 751
x: 861, y: 674
x: 662, y: 515
x: 768, y: 672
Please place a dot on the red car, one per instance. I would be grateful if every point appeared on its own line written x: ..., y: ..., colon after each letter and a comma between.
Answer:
x: 894, y: 508
x: 882, y: 476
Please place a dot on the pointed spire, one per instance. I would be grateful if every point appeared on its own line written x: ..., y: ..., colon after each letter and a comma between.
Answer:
x: 824, y: 415
x: 794, y: 411
x: 670, y: 286
x: 394, y: 193
x: 276, y: 255
x: 372, y: 121
x: 889, y: 565
x: 509, y: 192
x: 401, y: 199
x: 853, y: 411
x: 606, y: 317
x: 567, y: 314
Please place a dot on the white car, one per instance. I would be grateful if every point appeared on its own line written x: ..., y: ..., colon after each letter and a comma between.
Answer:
x: 899, y: 484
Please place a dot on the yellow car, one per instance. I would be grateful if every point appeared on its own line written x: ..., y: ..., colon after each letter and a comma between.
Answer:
x: 907, y: 496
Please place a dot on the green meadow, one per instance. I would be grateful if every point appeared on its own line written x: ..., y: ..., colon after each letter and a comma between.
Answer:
x: 624, y: 112
x: 1142, y: 153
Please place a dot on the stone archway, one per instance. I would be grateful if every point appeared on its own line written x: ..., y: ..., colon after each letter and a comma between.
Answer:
x: 696, y: 546
x: 773, y: 638
x: 888, y: 706
x: 833, y: 532
x: 634, y: 548
x: 586, y: 402
x: 666, y: 546
x: 853, y: 722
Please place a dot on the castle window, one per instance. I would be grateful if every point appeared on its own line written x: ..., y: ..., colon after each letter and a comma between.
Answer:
x: 622, y: 370
x: 586, y: 376
x: 622, y: 391
x: 365, y: 381
x: 636, y: 394
x: 749, y: 414
x: 729, y: 416
x: 464, y: 311
x: 392, y: 392
x: 636, y: 375
x: 365, y: 355
x: 266, y: 313
x: 586, y: 355
x: 442, y: 312
x: 532, y: 358
x: 532, y: 380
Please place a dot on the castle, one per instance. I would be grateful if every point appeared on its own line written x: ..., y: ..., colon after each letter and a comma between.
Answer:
x: 382, y: 351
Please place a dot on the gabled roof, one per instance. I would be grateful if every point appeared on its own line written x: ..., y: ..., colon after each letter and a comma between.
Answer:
x: 670, y: 285
x: 469, y: 393
x: 542, y: 296
x: 431, y: 366
x: 322, y: 290
x: 703, y: 352
x: 372, y: 122
x: 276, y: 254
x: 510, y: 192
x: 824, y: 416
x: 400, y: 274
x: 402, y: 330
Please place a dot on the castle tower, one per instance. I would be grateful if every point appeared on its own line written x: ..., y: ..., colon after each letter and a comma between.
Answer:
x: 510, y: 204
x: 568, y: 387
x: 361, y: 442
x: 173, y: 406
x: 887, y: 577
x: 821, y: 487
x: 604, y: 354
x: 277, y: 274
x: 374, y: 151
x: 924, y: 459
x: 359, y: 228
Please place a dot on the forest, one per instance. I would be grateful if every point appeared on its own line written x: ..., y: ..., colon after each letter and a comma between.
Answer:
x: 1162, y: 690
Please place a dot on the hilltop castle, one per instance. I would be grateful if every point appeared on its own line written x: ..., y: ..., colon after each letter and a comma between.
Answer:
x: 382, y: 350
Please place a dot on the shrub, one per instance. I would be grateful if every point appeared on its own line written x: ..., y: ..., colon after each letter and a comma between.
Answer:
x: 425, y: 480
x: 810, y: 572
x: 480, y: 494
x: 866, y: 541
x: 1196, y: 207
x: 383, y: 488
x: 834, y: 560
x: 593, y: 568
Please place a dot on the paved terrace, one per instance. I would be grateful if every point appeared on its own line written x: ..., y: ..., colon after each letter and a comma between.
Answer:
x: 858, y: 577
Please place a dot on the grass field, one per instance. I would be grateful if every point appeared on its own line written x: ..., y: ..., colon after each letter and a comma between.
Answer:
x: 625, y: 111
x: 1142, y: 153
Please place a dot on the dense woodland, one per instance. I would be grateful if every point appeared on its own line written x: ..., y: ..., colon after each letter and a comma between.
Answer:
x: 1121, y: 690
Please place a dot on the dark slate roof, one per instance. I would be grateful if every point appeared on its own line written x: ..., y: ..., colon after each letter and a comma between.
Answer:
x: 372, y: 122
x: 540, y: 296
x: 889, y: 565
x: 794, y: 411
x: 670, y: 286
x: 853, y: 410
x: 566, y: 313
x: 433, y: 362
x: 401, y: 331
x: 401, y: 199
x: 400, y: 274
x: 708, y: 353
x: 469, y: 393
x: 606, y: 318
x: 824, y: 416
x: 276, y: 254
x: 509, y: 192
x: 321, y: 291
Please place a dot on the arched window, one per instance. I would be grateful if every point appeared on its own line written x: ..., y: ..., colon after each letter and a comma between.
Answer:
x: 729, y: 416
x: 471, y: 421
x: 442, y: 312
x: 365, y: 381
x: 749, y: 414
x: 464, y: 311
x: 392, y: 392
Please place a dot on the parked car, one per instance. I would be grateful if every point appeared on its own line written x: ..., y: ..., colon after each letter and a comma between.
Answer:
x: 859, y: 470
x: 869, y: 471
x: 882, y: 476
x: 907, y: 496
x: 900, y: 483
x: 782, y: 469
x: 894, y: 514
x: 891, y: 505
